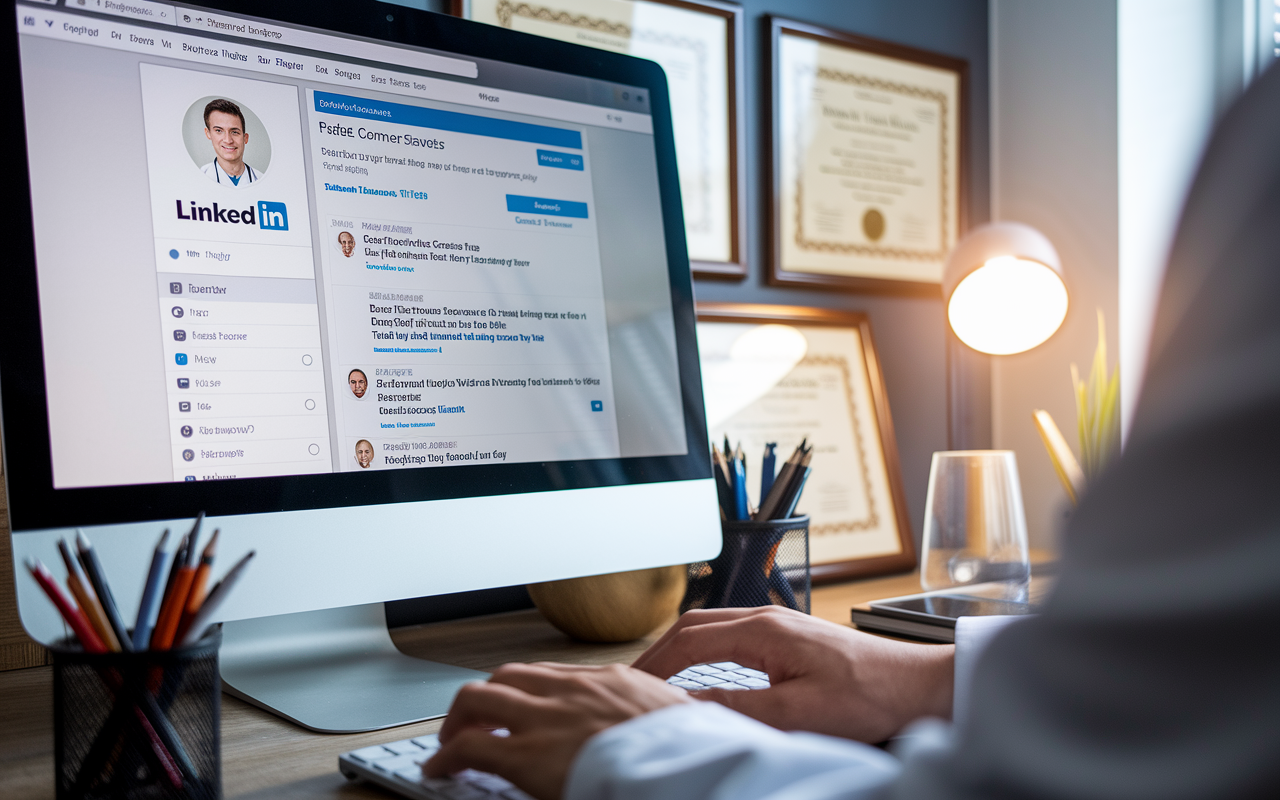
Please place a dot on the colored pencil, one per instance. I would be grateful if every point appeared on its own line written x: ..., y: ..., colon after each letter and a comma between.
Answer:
x: 89, y: 605
x: 198, y: 584
x: 217, y: 596
x: 93, y: 568
x: 150, y: 595
x: 78, y: 622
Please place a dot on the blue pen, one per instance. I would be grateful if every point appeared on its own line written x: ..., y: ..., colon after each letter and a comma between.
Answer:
x: 740, y: 485
x: 150, y: 596
x: 768, y: 468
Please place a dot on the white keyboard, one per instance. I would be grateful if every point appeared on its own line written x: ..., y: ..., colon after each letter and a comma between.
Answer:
x: 398, y: 765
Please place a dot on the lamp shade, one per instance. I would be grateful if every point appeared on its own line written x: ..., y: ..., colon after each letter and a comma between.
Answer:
x: 1003, y: 288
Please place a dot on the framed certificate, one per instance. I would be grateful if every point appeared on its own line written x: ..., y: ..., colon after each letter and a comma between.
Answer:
x: 782, y: 374
x: 868, y: 167
x: 699, y: 45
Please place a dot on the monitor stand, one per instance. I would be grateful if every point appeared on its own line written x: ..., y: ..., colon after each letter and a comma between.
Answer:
x: 334, y: 671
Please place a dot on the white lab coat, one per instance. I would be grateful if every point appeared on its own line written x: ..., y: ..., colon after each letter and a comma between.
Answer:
x: 216, y: 174
x: 704, y: 751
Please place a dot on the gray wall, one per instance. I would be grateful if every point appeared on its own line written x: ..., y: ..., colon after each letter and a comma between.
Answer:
x: 1054, y: 135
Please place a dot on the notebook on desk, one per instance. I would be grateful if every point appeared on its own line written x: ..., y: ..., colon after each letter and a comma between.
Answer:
x: 931, y: 616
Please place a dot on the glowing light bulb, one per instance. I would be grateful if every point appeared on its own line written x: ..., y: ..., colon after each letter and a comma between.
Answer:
x: 1007, y: 305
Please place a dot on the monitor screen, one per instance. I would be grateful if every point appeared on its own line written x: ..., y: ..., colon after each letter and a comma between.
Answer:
x: 286, y: 268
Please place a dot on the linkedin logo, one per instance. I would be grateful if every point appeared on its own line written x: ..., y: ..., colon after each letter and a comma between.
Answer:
x: 272, y: 216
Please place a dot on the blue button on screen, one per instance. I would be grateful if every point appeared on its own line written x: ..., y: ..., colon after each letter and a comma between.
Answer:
x: 180, y: 358
x: 596, y: 405
x: 550, y: 158
x: 543, y: 205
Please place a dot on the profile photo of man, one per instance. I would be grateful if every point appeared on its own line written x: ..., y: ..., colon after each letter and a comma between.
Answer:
x: 364, y: 453
x: 224, y: 127
x: 358, y: 382
x: 347, y: 242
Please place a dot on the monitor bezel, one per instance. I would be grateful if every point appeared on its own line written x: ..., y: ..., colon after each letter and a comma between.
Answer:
x: 35, y: 504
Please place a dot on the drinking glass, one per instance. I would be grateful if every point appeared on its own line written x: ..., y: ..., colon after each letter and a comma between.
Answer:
x: 975, y: 529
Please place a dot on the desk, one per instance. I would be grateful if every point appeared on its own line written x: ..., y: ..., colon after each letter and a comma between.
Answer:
x: 265, y: 757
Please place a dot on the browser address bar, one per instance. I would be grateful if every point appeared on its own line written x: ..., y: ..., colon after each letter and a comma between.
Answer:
x: 291, y: 37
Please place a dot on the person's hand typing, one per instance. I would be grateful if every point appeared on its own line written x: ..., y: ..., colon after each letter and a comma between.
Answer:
x: 825, y: 678
x: 551, y: 710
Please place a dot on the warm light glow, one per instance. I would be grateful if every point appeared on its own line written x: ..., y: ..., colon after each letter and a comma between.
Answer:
x: 749, y: 369
x: 1007, y: 305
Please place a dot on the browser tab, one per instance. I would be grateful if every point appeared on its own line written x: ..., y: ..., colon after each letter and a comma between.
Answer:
x: 145, y: 10
x: 292, y: 37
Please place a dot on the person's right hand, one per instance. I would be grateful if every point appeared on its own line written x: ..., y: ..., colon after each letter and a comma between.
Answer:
x: 825, y: 678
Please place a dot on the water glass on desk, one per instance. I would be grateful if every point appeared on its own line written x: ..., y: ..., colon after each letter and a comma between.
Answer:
x: 975, y: 528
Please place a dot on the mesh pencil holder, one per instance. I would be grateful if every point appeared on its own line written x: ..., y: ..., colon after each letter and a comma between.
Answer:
x: 138, y: 725
x: 761, y: 563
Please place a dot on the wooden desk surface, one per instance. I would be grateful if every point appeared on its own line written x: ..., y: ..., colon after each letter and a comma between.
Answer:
x: 264, y: 756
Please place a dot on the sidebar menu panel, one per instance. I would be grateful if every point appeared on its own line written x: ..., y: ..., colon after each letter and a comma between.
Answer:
x: 235, y: 276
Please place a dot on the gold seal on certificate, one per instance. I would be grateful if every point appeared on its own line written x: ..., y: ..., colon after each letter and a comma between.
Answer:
x: 867, y: 160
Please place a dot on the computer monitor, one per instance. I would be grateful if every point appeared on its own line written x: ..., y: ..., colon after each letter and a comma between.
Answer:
x: 401, y: 301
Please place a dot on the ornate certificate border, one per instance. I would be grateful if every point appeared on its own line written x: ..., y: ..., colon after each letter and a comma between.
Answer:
x: 952, y: 193
x: 878, y: 418
x: 735, y: 267
x: 805, y: 243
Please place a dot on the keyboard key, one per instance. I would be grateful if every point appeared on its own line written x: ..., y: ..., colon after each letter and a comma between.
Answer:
x: 400, y: 762
x: 689, y: 685
x: 483, y: 780
x: 687, y: 674
x: 752, y: 673
x: 371, y: 754
x: 728, y: 666
x: 411, y: 773
x: 462, y: 791
x: 403, y: 748
x: 753, y: 683
x: 734, y: 687
x: 431, y: 742
x: 702, y: 669
x: 707, y: 680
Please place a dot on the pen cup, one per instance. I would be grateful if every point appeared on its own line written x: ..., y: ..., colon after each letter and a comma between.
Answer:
x: 761, y: 563
x: 137, y: 725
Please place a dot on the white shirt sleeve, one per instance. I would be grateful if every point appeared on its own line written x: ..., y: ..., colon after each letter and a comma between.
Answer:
x: 704, y: 751
x: 973, y: 634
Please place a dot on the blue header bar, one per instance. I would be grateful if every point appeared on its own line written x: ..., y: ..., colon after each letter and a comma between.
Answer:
x: 361, y: 108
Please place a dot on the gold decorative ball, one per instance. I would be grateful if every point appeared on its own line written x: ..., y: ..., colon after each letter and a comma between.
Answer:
x: 618, y: 607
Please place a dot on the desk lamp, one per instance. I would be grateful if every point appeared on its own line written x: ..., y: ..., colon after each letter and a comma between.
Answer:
x: 1003, y: 289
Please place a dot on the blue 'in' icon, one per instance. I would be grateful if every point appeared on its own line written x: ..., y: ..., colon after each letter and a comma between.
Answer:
x: 190, y: 478
x: 173, y: 254
x: 180, y: 359
x: 597, y: 405
x: 272, y: 216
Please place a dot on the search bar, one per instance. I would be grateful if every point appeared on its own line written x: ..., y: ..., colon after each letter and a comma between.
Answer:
x: 336, y: 45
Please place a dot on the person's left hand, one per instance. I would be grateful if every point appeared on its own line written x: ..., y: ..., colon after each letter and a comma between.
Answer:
x: 551, y: 710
